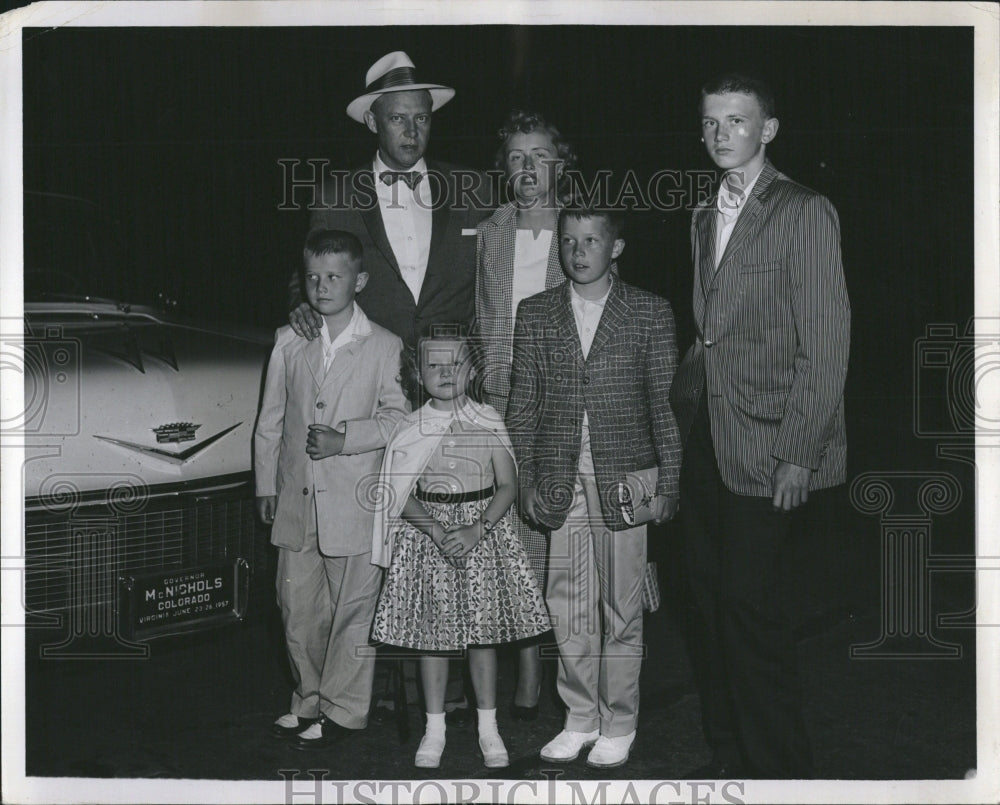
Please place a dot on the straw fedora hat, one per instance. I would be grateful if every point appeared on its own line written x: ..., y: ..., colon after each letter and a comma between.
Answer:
x: 394, y: 72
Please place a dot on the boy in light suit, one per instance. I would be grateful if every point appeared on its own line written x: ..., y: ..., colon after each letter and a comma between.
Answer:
x: 329, y: 405
x: 592, y: 365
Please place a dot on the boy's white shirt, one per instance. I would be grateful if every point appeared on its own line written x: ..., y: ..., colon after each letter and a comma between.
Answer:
x: 357, y: 327
x: 729, y: 206
x: 410, y: 447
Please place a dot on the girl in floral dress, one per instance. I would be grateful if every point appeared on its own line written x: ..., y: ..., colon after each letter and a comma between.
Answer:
x: 458, y: 577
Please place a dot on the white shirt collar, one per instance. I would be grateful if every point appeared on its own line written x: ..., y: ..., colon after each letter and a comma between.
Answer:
x: 581, y: 300
x: 730, y: 203
x: 358, y: 327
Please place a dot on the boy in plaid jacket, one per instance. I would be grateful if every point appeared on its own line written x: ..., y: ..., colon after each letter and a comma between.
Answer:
x: 592, y: 365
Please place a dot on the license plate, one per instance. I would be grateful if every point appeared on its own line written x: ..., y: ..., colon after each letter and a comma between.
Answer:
x: 175, y: 601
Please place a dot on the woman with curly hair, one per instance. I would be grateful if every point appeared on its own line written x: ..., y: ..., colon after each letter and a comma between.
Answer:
x: 517, y: 255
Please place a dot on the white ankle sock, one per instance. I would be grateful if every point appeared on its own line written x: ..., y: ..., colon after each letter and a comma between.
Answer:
x: 435, y: 722
x: 487, y: 720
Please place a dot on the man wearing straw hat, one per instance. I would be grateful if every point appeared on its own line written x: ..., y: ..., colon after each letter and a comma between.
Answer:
x: 416, y: 218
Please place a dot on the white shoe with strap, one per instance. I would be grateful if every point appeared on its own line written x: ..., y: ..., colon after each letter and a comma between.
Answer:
x: 493, y: 749
x: 430, y: 750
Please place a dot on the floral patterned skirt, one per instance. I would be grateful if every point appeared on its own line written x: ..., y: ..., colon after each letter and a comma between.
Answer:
x: 429, y: 604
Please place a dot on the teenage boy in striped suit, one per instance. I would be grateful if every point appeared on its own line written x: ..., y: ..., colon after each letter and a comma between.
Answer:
x: 759, y: 401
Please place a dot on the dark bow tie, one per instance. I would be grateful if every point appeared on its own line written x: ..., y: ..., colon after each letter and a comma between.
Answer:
x: 391, y: 177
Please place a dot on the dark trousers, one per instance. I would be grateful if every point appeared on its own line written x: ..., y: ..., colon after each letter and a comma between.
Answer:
x: 737, y: 551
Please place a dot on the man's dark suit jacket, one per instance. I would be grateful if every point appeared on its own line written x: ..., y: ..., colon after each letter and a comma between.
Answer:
x: 624, y: 385
x: 350, y: 204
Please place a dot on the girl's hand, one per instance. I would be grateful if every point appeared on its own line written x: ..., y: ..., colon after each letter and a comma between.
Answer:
x: 437, y: 535
x: 460, y: 541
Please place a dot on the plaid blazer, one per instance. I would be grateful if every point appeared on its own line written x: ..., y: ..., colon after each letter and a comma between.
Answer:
x: 495, y: 241
x: 624, y: 385
x: 773, y: 336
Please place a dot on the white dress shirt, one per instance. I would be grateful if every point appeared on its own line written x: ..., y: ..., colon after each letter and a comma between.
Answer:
x: 587, y: 313
x: 531, y: 263
x: 406, y: 215
x: 353, y: 328
x: 729, y: 204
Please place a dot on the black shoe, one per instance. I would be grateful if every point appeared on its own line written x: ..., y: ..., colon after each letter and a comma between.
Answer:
x: 330, y: 733
x: 520, y: 713
x: 290, y: 732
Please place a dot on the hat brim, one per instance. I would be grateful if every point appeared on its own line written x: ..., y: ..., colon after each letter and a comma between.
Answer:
x: 440, y: 95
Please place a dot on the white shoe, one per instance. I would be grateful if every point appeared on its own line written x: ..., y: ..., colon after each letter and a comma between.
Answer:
x: 567, y: 745
x: 494, y: 752
x: 430, y: 750
x: 609, y: 753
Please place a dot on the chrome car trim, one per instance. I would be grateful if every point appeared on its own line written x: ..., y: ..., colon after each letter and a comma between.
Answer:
x: 199, y: 489
x: 166, y: 455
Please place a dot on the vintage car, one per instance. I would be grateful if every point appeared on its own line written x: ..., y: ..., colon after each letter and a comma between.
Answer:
x: 137, y: 427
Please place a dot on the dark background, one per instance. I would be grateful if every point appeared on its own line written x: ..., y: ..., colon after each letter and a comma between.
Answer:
x: 176, y: 134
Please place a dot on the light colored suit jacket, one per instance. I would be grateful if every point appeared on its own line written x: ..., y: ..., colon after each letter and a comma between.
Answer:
x: 773, y: 336
x: 624, y: 385
x: 495, y: 245
x: 362, y: 390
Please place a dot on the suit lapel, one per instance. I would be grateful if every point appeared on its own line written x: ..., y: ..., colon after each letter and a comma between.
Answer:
x: 615, y: 309
x: 553, y: 270
x: 707, y: 228
x: 565, y: 323
x: 501, y: 257
x: 372, y: 216
x: 342, y: 359
x: 441, y: 200
x: 747, y: 221
x: 313, y: 351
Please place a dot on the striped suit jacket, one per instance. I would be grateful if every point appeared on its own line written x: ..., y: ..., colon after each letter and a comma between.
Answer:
x: 495, y: 240
x: 773, y: 336
x: 623, y: 384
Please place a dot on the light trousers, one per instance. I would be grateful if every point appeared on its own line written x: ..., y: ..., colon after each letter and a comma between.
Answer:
x: 594, y: 595
x: 327, y: 606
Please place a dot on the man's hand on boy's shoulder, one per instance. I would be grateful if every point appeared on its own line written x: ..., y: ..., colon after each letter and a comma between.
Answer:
x: 664, y: 508
x: 305, y: 321
x: 323, y: 441
x: 266, y: 507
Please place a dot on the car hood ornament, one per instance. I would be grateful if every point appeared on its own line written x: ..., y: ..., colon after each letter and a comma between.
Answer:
x: 175, y: 432
x: 174, y: 458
